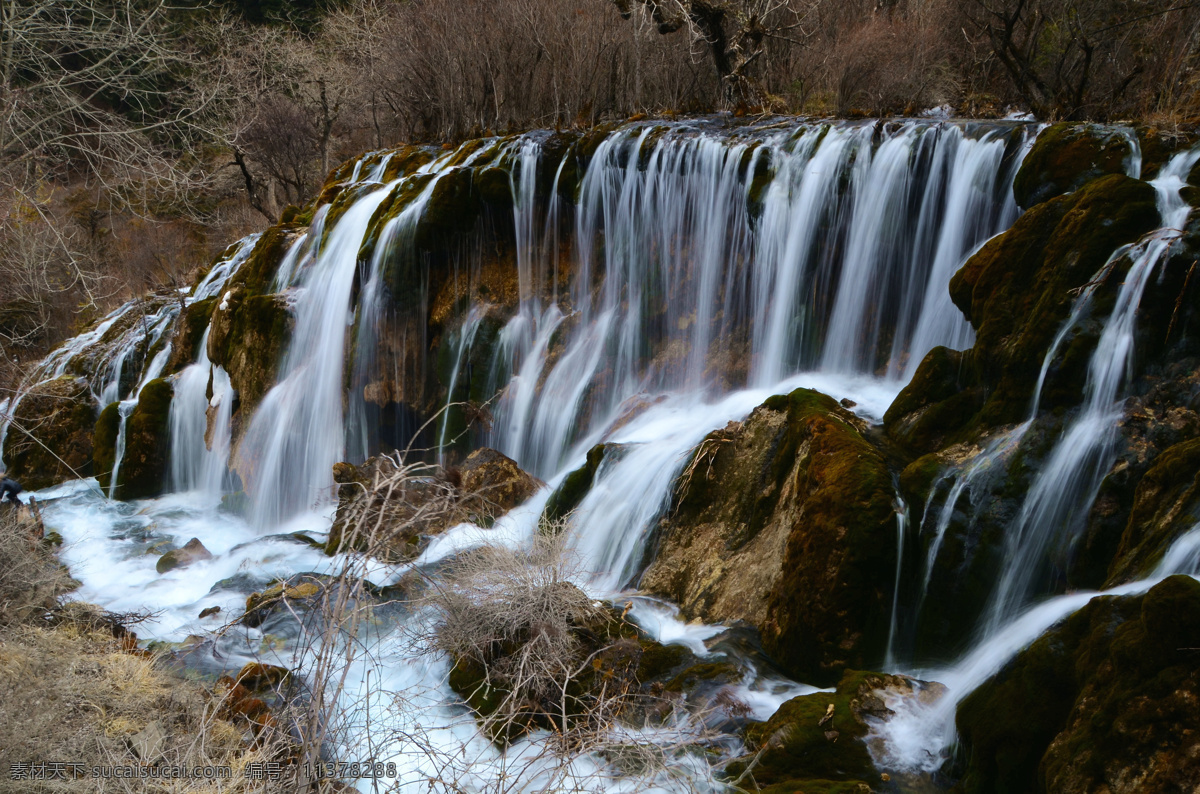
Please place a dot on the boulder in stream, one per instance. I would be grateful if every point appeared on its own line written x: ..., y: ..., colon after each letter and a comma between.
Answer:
x: 192, y: 551
x: 786, y: 520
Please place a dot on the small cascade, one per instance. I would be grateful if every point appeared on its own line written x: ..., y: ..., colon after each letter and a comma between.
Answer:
x: 200, y: 444
x: 920, y: 737
x: 125, y: 409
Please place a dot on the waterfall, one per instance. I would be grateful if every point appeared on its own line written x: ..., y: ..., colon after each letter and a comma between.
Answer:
x: 774, y: 254
x: 666, y: 284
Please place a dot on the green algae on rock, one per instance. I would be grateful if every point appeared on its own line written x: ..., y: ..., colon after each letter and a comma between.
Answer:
x: 50, y: 439
x: 786, y: 520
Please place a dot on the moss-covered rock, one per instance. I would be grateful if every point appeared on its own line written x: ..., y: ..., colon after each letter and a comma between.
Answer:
x: 1166, y: 504
x: 575, y: 486
x: 816, y: 742
x: 786, y: 520
x: 248, y: 338
x: 257, y: 273
x: 1065, y: 157
x: 190, y: 328
x: 192, y: 551
x: 1017, y: 291
x: 143, y: 469
x: 943, y: 395
x: 302, y: 591
x: 1104, y: 701
x: 50, y: 439
x: 104, y: 449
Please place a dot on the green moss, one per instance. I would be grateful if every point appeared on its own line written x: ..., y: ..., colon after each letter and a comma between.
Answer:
x: 257, y: 273
x: 917, y: 478
x: 104, y: 451
x: 575, y: 486
x: 1067, y: 156
x: 1017, y: 291
x: 142, y: 473
x: 248, y: 339
x: 795, y: 747
x: 849, y: 518
x: 941, y: 399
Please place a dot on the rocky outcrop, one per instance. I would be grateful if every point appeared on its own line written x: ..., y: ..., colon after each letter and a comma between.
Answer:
x: 391, y: 511
x: 1105, y: 701
x: 786, y: 520
x: 818, y: 742
x: 142, y: 473
x: 1067, y: 156
x: 50, y: 438
x: 1017, y: 291
x: 192, y: 551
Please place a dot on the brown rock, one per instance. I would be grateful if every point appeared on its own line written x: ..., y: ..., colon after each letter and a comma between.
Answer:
x: 192, y: 551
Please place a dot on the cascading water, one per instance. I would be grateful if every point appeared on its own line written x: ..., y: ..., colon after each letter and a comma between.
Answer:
x: 706, y: 271
x: 699, y: 243
x: 1060, y: 496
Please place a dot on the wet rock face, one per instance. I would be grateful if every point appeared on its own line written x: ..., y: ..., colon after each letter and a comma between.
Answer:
x: 1067, y: 156
x: 143, y: 469
x: 786, y: 520
x: 1105, y: 701
x: 50, y: 439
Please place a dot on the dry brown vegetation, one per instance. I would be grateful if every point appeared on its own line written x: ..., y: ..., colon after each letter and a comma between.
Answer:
x: 75, y: 689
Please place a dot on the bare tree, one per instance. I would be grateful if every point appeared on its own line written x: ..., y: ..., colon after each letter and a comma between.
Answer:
x: 1071, y: 58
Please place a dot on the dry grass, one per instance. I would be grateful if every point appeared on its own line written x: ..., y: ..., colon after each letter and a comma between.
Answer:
x: 75, y: 689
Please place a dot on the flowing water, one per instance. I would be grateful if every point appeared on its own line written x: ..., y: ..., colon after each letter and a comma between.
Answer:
x: 708, y: 270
